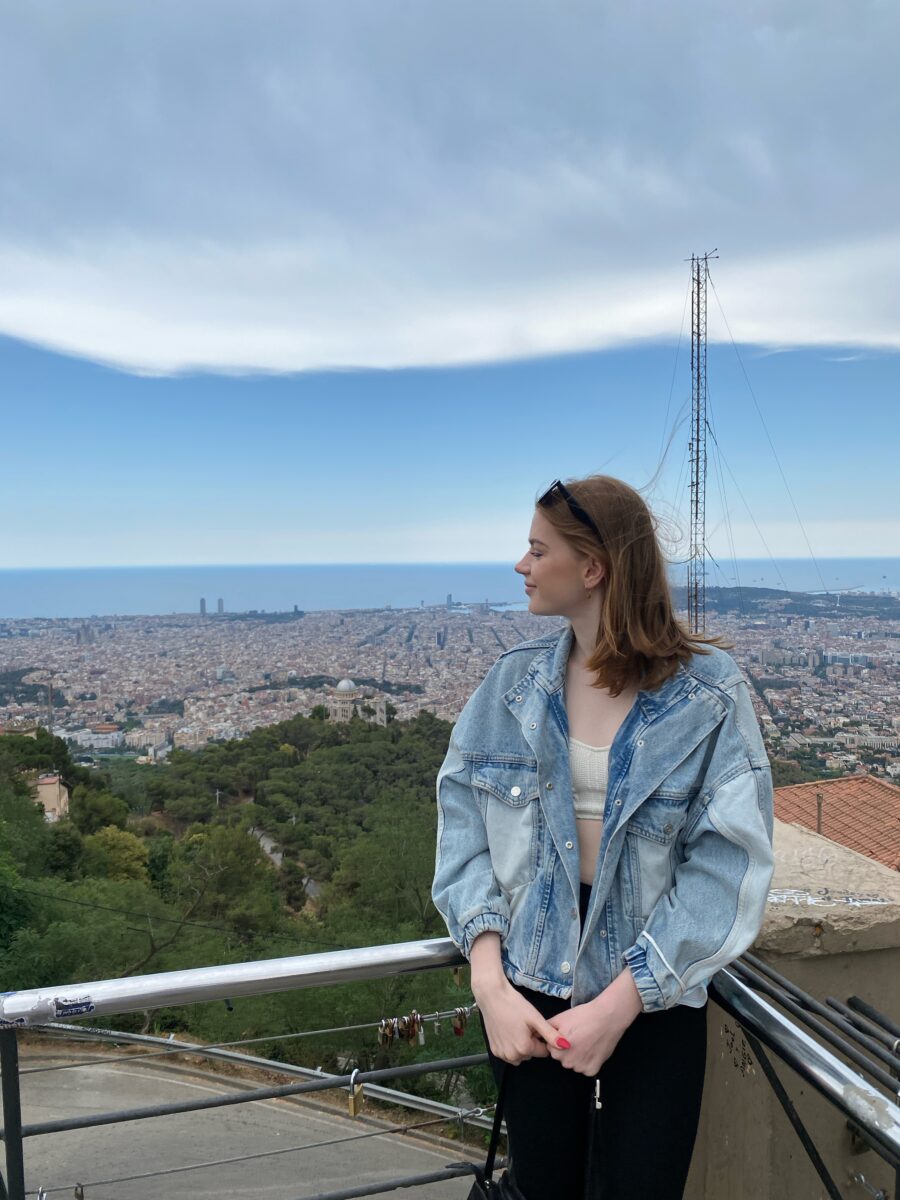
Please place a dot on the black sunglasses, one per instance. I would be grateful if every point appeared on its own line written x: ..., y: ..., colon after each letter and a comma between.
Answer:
x: 558, y: 487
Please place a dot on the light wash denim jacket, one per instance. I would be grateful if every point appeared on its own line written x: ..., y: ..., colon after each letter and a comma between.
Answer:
x: 686, y: 855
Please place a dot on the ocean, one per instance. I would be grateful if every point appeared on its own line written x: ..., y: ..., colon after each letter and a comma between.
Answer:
x: 129, y: 591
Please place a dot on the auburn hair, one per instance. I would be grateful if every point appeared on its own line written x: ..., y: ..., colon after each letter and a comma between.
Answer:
x: 639, y: 640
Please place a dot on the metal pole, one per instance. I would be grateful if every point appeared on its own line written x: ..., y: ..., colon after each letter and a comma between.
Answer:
x: 792, y: 1115
x: 808, y: 1018
x: 451, y: 1171
x: 198, y: 984
x: 326, y: 1084
x: 12, y: 1115
x: 873, y: 1014
x: 855, y: 1097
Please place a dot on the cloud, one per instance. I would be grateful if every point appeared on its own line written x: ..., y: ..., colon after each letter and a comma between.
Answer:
x: 183, y: 543
x: 862, y: 538
x: 301, y: 185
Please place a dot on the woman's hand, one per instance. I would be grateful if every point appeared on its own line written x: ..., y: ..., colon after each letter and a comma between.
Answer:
x: 515, y: 1029
x: 593, y: 1030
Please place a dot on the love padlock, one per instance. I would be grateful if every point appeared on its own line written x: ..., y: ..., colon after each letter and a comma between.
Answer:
x: 355, y: 1099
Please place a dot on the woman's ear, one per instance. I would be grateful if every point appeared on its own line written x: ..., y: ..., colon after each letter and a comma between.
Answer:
x: 594, y: 573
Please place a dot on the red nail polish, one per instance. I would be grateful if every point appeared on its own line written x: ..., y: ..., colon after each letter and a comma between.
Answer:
x: 563, y: 1043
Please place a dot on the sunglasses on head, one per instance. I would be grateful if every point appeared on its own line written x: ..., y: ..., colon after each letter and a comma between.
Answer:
x: 559, y: 488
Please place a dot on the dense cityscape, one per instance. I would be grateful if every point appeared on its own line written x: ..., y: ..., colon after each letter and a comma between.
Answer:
x: 824, y: 670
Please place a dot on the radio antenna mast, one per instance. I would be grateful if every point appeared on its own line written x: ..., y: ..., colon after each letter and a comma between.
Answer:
x: 696, y: 581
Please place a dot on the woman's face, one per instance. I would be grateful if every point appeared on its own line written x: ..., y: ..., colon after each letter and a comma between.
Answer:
x: 557, y: 577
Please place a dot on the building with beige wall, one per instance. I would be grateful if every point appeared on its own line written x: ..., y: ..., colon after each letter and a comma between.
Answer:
x: 52, y: 793
x: 347, y: 701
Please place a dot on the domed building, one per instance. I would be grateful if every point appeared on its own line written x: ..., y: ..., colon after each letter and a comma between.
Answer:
x: 347, y: 701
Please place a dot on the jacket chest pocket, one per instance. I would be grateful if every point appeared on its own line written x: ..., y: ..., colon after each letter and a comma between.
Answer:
x: 508, y: 796
x: 650, y: 851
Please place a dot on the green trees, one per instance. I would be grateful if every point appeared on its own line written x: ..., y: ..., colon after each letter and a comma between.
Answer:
x: 113, y: 853
x: 22, y: 826
x: 222, y: 875
x: 91, y: 810
x: 151, y: 874
x: 380, y: 889
x: 65, y: 848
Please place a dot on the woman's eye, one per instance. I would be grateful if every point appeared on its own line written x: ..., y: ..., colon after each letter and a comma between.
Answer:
x: 535, y: 554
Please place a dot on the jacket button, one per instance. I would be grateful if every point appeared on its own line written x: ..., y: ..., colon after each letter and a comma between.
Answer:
x: 516, y: 791
x: 667, y: 828
x: 570, y: 845
x: 549, y: 787
x: 640, y: 741
x: 573, y: 913
x: 603, y: 933
x: 618, y: 804
x: 566, y: 968
x: 533, y: 725
x: 518, y: 699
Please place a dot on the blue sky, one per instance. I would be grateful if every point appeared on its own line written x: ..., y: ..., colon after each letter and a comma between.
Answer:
x: 353, y: 282
x: 435, y: 464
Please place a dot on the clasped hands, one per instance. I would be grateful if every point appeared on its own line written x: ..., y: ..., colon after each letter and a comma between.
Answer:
x: 581, y: 1038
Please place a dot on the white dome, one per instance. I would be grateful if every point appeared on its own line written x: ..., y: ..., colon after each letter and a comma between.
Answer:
x: 346, y: 685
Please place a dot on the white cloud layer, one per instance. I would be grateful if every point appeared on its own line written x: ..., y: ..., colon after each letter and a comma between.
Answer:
x: 299, y: 185
x: 503, y: 539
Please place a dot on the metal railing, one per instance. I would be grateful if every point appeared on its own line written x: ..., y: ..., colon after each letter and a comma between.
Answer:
x: 108, y: 997
x: 873, y: 1113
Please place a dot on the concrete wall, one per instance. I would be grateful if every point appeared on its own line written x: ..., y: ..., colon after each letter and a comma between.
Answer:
x: 833, y: 928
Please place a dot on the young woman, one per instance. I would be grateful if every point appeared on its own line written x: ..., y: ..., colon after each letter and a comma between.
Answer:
x: 604, y: 847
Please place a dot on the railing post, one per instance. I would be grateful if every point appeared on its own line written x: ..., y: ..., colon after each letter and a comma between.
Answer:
x: 12, y: 1115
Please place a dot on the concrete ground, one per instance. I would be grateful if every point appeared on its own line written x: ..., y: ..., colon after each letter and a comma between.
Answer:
x: 57, y: 1161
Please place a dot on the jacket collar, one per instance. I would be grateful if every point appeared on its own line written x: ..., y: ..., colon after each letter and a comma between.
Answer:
x: 549, y: 669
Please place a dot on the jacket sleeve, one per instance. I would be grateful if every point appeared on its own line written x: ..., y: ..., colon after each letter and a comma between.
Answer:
x: 465, y: 891
x: 715, y: 908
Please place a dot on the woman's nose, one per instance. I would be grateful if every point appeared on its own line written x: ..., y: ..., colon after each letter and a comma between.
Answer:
x: 520, y: 565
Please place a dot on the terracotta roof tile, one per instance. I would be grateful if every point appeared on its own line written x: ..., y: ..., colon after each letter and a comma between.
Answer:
x: 859, y: 811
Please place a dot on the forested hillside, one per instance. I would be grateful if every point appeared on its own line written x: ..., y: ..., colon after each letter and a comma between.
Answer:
x: 161, y: 867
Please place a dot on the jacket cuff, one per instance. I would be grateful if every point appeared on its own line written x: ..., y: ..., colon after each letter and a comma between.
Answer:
x: 650, y: 976
x: 486, y: 922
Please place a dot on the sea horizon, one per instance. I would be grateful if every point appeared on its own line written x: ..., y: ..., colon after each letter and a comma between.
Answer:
x: 94, y: 592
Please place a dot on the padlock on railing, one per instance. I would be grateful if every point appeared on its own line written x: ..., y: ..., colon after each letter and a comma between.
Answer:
x: 355, y: 1098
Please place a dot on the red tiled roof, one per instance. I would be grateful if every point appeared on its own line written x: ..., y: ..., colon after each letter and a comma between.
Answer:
x: 858, y: 811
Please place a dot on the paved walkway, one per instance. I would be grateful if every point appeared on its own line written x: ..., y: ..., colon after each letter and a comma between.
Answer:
x: 115, y: 1151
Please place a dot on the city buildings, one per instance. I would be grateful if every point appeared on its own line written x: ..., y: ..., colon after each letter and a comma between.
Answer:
x: 826, y: 689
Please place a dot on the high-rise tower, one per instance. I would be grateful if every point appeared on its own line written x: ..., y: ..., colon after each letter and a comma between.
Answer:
x: 696, y: 580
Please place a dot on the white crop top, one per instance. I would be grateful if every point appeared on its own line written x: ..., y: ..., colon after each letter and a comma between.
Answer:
x: 588, y: 766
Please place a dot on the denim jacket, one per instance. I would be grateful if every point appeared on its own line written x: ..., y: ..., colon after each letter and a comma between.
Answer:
x: 686, y: 854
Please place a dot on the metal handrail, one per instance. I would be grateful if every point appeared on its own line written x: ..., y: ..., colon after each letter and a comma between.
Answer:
x: 865, y: 1104
x: 854, y: 1096
x: 105, y: 997
x: 374, y: 1091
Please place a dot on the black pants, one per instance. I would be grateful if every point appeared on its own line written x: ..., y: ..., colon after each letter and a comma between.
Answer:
x: 639, y: 1142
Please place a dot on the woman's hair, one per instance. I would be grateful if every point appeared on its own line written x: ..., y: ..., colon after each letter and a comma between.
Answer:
x: 640, y: 640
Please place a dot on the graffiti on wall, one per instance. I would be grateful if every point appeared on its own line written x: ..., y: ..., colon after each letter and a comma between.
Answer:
x: 825, y: 897
x: 736, y: 1046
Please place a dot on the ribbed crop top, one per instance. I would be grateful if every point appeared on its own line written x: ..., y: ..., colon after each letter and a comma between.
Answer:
x: 588, y: 766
